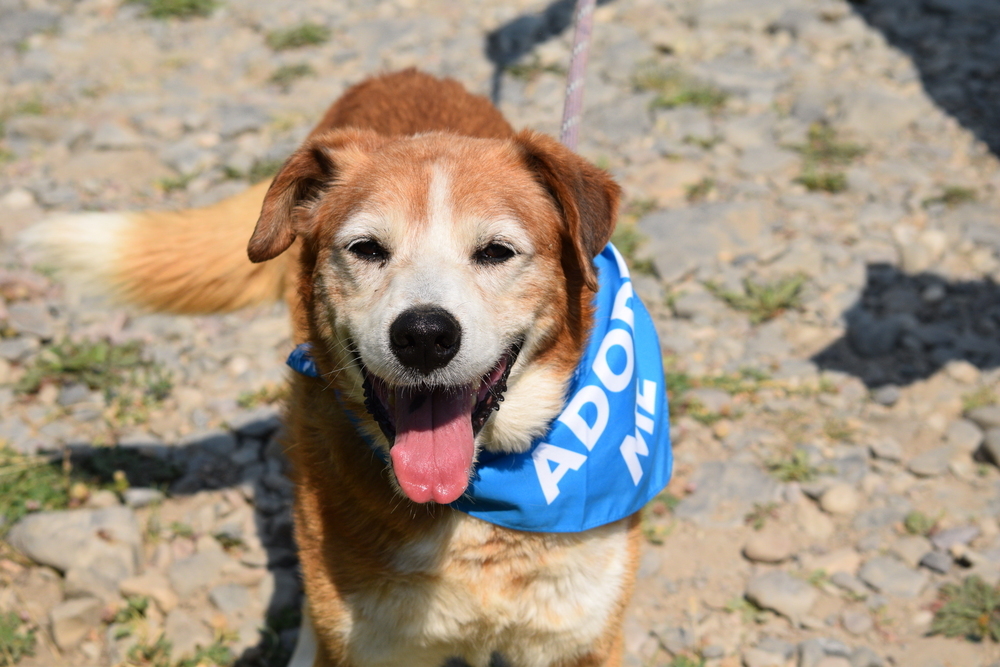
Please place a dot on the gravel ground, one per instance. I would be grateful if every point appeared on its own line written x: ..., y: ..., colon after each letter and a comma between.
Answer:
x: 812, y: 216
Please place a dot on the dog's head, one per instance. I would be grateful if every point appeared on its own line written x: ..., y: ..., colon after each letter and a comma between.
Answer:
x: 442, y: 275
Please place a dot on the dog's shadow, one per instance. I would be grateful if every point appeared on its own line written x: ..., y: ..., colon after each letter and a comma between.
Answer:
x: 955, y: 47
x: 248, y: 459
x: 905, y: 328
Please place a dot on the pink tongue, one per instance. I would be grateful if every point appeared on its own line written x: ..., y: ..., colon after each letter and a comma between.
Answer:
x: 432, y: 454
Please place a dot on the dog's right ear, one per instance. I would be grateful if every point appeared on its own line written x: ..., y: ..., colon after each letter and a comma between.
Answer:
x: 302, y: 179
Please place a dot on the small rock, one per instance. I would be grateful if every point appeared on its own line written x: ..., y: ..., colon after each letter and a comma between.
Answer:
x: 813, y: 651
x: 772, y: 544
x: 936, y: 561
x: 31, y: 318
x: 676, y: 639
x: 153, y: 585
x: 964, y: 435
x: 102, y: 499
x: 812, y: 521
x: 849, y: 583
x: 230, y: 598
x: 987, y: 416
x: 960, y: 370
x: 783, y: 593
x: 185, y: 633
x: 932, y: 463
x: 857, y: 622
x: 991, y: 444
x: 887, y: 449
x: 833, y: 661
x: 755, y: 657
x: 911, y: 549
x: 114, y: 137
x: 72, y: 394
x: 946, y: 539
x: 892, y: 577
x: 840, y: 498
x: 18, y: 199
x: 887, y: 395
x: 187, y: 575
x: 141, y: 497
x: 73, y: 619
x: 865, y: 657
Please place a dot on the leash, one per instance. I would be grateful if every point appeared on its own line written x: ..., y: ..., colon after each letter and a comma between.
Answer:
x: 569, y: 133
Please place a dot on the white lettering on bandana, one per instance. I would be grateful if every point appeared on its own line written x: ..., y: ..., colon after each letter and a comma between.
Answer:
x: 608, y: 453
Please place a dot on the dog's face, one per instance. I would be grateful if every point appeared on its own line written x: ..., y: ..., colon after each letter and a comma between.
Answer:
x: 445, y: 274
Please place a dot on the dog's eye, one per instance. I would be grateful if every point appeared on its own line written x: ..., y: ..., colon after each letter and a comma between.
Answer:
x: 368, y: 250
x: 494, y: 253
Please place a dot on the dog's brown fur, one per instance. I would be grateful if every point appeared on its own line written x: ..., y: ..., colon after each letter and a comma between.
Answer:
x: 352, y: 526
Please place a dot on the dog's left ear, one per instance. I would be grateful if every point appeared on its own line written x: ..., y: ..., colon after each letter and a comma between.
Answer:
x: 302, y: 179
x: 586, y: 196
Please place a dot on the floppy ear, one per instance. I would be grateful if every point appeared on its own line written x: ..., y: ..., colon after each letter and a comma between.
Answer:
x: 301, y: 180
x: 586, y: 196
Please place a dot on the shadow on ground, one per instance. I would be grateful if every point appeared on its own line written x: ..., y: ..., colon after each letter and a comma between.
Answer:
x: 906, y: 327
x: 516, y: 38
x: 249, y: 459
x: 955, y: 45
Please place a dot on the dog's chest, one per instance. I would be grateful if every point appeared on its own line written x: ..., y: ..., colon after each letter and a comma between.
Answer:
x: 472, y: 589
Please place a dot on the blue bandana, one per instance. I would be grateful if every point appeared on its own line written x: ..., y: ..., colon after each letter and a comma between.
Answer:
x: 608, y: 453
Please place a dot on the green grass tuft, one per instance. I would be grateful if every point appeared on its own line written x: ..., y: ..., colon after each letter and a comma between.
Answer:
x: 675, y: 89
x: 953, y: 196
x: 304, y: 34
x: 794, y: 468
x: 757, y: 518
x: 970, y: 609
x: 286, y: 75
x: 763, y: 301
x: 918, y: 523
x: 179, y: 9
x: 822, y: 154
x: 16, y: 642
x: 532, y: 69
x: 697, y: 192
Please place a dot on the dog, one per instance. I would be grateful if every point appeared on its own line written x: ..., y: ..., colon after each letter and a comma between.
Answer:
x: 469, y: 346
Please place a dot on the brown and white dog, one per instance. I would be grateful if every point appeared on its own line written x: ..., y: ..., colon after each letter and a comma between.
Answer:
x: 434, y: 259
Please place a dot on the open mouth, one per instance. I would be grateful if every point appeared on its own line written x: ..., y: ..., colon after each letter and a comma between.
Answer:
x: 432, y: 430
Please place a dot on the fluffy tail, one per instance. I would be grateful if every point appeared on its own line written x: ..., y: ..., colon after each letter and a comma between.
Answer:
x: 189, y: 262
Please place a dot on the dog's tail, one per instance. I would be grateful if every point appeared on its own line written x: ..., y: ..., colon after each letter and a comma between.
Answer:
x: 190, y: 262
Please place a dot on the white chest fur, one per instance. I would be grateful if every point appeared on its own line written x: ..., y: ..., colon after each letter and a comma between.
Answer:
x: 471, y: 589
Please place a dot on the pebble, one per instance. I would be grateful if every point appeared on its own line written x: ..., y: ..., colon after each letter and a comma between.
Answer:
x: 755, y: 657
x: 188, y: 575
x: 783, y: 593
x: 911, y: 549
x: 950, y: 537
x: 137, y: 497
x: 932, y: 463
x: 840, y: 498
x: 772, y: 544
x: 991, y: 444
x: 936, y: 561
x: 986, y: 417
x: 72, y: 620
x: 964, y: 435
x: 887, y: 395
x: 185, y: 633
x: 887, y: 449
x: 887, y: 575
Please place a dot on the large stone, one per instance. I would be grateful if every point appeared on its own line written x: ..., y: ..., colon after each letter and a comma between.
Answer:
x: 887, y: 575
x: 964, y: 435
x: 987, y: 416
x: 73, y: 619
x: 681, y: 240
x: 103, y: 544
x: 724, y: 492
x: 840, y: 498
x: 783, y: 593
x: 190, y: 574
x: 772, y: 544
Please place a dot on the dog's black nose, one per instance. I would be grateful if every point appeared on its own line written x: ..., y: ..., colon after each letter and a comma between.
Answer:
x: 425, y: 338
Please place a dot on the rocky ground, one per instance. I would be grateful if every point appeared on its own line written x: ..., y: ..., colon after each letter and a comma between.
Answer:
x: 812, y: 216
